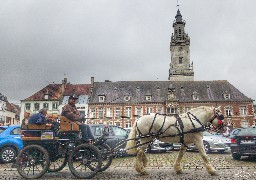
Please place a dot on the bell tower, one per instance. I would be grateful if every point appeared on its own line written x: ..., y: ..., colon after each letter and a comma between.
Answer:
x: 180, y: 67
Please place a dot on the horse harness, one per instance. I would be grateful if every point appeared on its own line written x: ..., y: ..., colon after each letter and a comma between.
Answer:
x: 178, y: 125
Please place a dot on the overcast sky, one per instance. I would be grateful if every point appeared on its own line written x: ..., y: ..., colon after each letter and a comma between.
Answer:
x: 120, y: 40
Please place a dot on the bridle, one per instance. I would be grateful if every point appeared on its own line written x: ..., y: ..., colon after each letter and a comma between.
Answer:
x: 219, y: 117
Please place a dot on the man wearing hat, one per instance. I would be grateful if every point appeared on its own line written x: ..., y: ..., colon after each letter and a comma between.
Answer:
x: 70, y: 111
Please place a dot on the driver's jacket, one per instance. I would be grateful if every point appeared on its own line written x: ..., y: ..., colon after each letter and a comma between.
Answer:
x: 71, y: 112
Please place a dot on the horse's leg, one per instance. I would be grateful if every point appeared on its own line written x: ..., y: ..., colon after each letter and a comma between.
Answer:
x: 209, y: 168
x: 140, y: 162
x: 177, y: 167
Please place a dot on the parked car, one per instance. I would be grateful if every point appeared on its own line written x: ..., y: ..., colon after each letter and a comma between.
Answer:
x: 243, y: 143
x: 159, y: 146
x: 211, y: 143
x: 10, y: 143
x: 116, y: 135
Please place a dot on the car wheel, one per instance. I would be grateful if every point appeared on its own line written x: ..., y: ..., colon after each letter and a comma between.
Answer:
x: 207, y: 147
x: 7, y: 154
x: 236, y: 156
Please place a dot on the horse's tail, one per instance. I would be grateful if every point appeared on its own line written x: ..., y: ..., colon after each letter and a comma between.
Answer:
x: 130, y: 146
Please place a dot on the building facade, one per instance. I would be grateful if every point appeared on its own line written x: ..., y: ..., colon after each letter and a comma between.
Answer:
x: 121, y: 103
x: 9, y: 113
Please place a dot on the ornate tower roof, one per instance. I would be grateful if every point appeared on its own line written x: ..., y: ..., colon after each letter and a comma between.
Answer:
x: 180, y: 67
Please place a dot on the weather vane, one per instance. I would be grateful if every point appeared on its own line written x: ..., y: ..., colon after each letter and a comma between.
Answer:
x: 178, y: 4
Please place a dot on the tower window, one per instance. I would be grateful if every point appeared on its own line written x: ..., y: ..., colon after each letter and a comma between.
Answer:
x: 180, y: 60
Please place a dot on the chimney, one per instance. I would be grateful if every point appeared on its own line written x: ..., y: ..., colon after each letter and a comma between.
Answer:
x: 92, y: 80
x: 63, y: 85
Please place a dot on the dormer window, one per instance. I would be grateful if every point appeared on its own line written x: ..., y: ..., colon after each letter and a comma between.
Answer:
x: 180, y: 60
x: 148, y: 98
x: 127, y: 98
x: 102, y: 98
x: 46, y: 96
x: 226, y: 95
x: 195, y: 96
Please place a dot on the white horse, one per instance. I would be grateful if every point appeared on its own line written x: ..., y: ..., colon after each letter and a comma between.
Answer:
x: 186, y: 128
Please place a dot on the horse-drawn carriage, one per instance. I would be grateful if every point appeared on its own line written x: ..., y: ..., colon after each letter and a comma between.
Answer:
x: 48, y: 148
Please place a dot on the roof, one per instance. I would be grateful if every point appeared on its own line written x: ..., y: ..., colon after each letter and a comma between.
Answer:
x: 137, y: 90
x: 55, y: 91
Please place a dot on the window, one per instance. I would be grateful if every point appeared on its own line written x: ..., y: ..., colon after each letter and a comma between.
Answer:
x: 55, y: 105
x: 101, y: 98
x: 109, y: 112
x: 148, y: 98
x: 46, y: 96
x: 27, y: 106
x: 244, y: 123
x: 172, y: 110
x: 160, y: 109
x: 92, y: 113
x: 226, y: 96
x: 228, y: 111
x: 46, y: 105
x: 187, y: 109
x: 243, y: 110
x: 117, y: 112
x: 128, y: 124
x: 127, y: 98
x: 118, y: 124
x: 36, y: 106
x: 15, y: 131
x: 100, y: 113
x: 149, y: 110
x: 139, y: 111
x: 180, y: 60
x: 195, y: 95
x: 128, y: 111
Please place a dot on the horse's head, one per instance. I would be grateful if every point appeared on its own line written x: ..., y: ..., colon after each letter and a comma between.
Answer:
x: 217, y: 118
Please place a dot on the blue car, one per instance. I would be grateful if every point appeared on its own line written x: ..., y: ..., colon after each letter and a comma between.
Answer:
x: 10, y: 143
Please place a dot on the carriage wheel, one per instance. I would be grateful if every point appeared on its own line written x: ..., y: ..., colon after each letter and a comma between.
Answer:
x: 85, y: 161
x: 106, y: 156
x: 33, y: 162
x: 58, y: 164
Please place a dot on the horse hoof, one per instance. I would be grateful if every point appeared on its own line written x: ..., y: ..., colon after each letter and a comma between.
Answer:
x: 144, y: 173
x: 214, y: 173
x: 179, y: 172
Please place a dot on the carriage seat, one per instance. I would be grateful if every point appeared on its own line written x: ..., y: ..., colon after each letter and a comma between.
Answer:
x: 67, y: 125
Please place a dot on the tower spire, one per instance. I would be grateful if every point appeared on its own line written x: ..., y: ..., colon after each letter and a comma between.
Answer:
x: 180, y: 67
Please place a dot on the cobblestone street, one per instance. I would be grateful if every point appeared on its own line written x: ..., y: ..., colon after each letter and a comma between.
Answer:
x: 160, y: 166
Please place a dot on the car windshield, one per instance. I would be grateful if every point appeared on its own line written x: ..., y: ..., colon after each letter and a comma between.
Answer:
x: 2, y: 129
x: 246, y: 131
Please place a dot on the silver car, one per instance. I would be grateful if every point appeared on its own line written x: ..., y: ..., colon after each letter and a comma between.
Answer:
x: 211, y: 143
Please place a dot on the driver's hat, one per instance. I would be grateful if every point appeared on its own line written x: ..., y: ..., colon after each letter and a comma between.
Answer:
x: 73, y: 97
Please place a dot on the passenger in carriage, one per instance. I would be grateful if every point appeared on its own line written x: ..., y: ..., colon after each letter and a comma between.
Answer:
x: 70, y: 112
x: 39, y: 118
x: 27, y: 115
